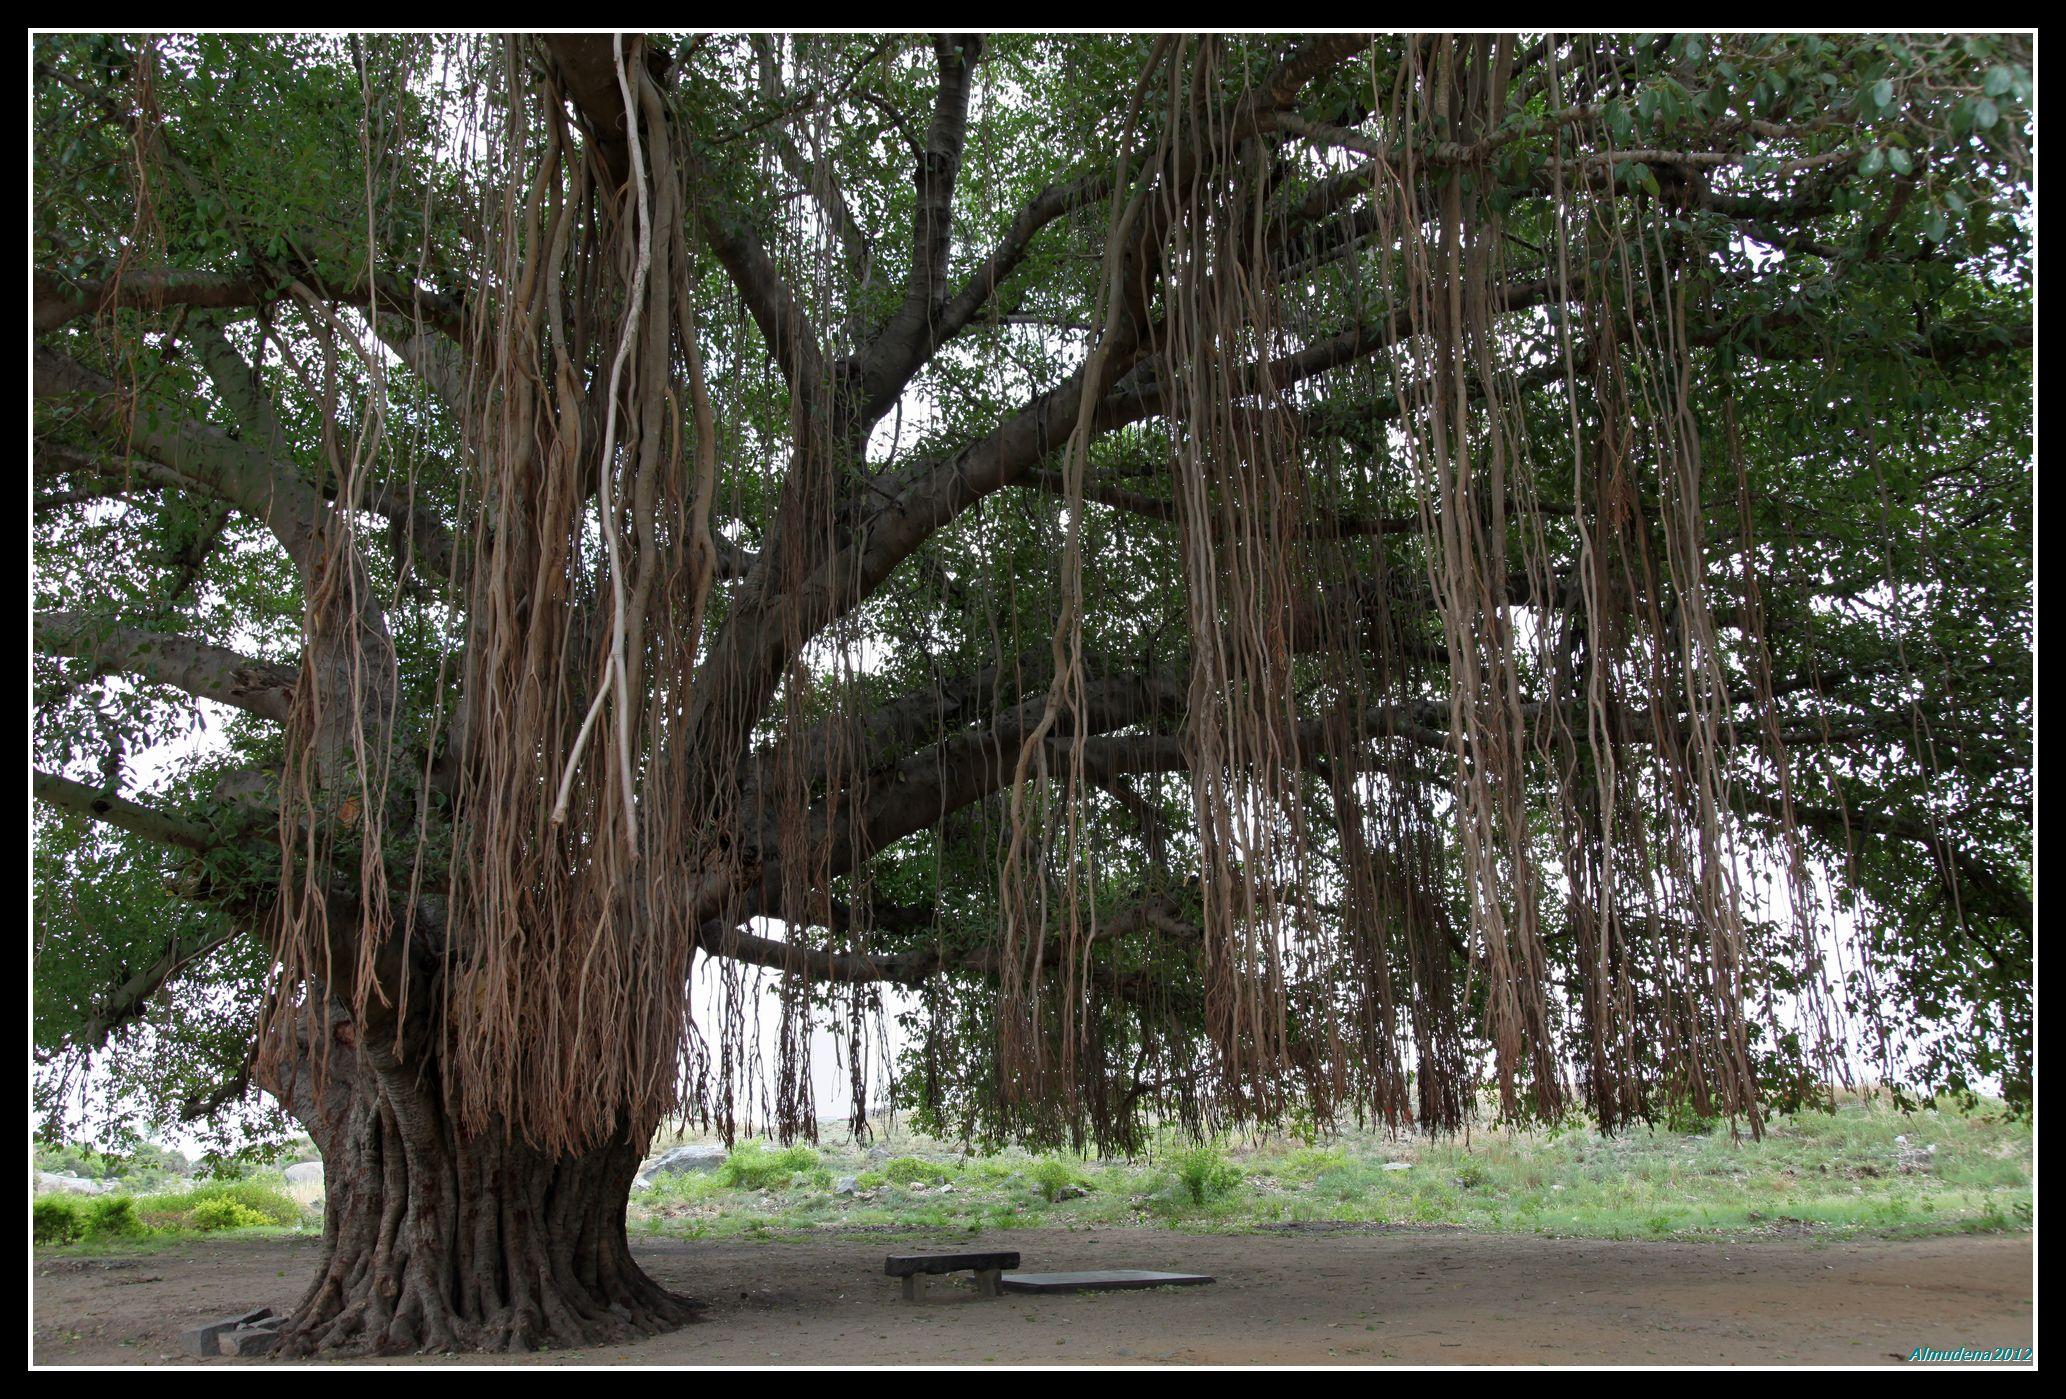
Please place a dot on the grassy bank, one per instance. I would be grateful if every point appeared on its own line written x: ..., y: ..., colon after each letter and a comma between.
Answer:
x: 1862, y: 1170
x: 1865, y: 1169
x: 263, y: 1204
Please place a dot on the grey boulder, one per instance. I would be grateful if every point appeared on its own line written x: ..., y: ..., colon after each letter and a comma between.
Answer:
x: 678, y: 1160
x: 59, y: 1182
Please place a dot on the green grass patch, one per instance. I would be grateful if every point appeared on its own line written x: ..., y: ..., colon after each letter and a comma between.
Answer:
x: 1863, y: 1170
x: 913, y: 1170
x: 751, y: 1166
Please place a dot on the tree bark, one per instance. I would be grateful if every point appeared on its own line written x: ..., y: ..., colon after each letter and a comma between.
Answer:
x: 439, y: 1240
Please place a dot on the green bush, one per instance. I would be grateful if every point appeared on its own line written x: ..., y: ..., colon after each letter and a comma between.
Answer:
x: 1684, y: 1120
x: 1052, y: 1175
x: 114, y: 1217
x: 912, y: 1170
x: 175, y: 1210
x: 1205, y: 1173
x: 59, y: 1221
x: 752, y: 1166
x: 223, y: 1212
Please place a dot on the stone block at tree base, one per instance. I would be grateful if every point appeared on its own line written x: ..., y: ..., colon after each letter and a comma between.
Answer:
x: 205, y: 1339
x: 249, y: 1340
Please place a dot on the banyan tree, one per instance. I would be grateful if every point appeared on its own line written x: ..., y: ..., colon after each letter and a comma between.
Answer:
x: 1383, y: 579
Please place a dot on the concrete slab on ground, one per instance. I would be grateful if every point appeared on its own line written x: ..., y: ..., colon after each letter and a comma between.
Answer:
x: 1103, y: 1280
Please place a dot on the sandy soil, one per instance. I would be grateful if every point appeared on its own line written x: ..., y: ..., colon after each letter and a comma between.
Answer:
x: 1326, y: 1297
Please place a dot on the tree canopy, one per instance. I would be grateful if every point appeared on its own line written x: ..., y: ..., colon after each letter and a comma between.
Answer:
x: 1281, y: 574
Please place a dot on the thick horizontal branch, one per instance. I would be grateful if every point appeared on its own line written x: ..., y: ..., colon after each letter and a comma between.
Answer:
x: 197, y: 667
x: 195, y: 456
x: 128, y: 1000
x: 1155, y: 913
x: 1318, y: 524
x: 161, y: 288
x: 246, y: 476
x: 151, y: 289
x: 123, y: 814
x: 1957, y: 864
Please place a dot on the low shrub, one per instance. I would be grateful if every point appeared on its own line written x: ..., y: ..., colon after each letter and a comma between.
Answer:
x: 1051, y: 1176
x: 59, y: 1221
x: 222, y: 1212
x: 114, y: 1217
x: 913, y: 1170
x: 1205, y: 1173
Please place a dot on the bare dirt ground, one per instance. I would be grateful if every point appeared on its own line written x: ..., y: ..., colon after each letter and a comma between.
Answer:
x: 1329, y: 1297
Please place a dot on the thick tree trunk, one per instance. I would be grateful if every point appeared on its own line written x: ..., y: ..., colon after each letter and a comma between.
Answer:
x: 433, y: 1240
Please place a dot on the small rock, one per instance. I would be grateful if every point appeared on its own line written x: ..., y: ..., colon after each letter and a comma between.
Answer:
x: 947, y: 1189
x: 1398, y: 1165
x: 918, y: 1187
x: 1071, y: 1192
x: 845, y: 1185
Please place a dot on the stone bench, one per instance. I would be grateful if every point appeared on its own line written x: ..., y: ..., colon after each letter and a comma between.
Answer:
x: 986, y: 1266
